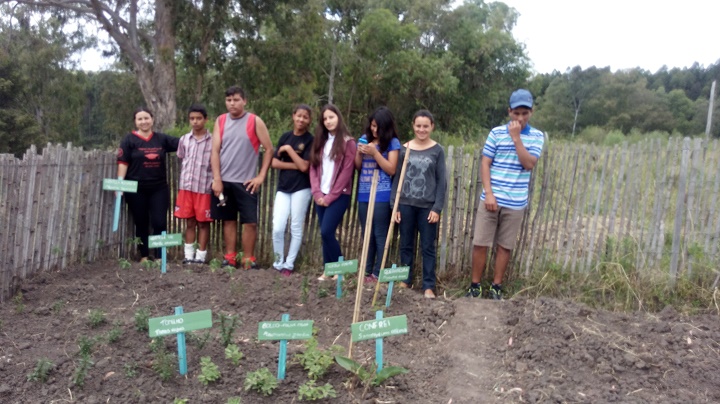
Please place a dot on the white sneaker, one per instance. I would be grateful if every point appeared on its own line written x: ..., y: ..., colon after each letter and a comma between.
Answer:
x: 278, y: 265
x: 287, y: 266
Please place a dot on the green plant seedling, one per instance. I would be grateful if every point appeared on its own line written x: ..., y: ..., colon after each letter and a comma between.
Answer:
x: 322, y: 292
x: 78, y: 377
x: 180, y: 401
x: 233, y: 354
x: 134, y: 241
x: 198, y: 339
x: 142, y: 315
x: 261, y: 381
x: 304, y: 289
x: 18, y: 301
x: 164, y: 363
x: 57, y: 306
x: 96, y: 318
x: 130, y: 369
x: 150, y: 264
x: 124, y: 263
x: 209, y: 372
x: 215, y: 264
x: 234, y: 400
x: 368, y: 377
x: 311, y: 392
x: 85, y: 346
x: 230, y: 269
x: 114, y: 334
x: 228, y: 323
x: 43, y: 367
x: 314, y: 360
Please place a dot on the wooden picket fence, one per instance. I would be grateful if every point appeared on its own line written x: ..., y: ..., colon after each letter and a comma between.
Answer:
x: 651, y: 206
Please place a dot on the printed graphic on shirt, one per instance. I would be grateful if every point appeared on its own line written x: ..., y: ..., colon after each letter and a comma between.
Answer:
x: 414, y: 185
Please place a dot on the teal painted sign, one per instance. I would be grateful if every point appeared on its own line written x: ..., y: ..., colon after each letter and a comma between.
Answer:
x: 110, y: 184
x: 394, y: 274
x: 341, y: 267
x: 196, y: 320
x: 379, y: 328
x: 165, y: 240
x: 284, y: 330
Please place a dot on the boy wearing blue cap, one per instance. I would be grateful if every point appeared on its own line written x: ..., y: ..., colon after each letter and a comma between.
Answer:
x: 510, y: 153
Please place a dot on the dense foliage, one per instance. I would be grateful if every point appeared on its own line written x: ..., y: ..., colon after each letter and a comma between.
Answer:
x: 461, y: 63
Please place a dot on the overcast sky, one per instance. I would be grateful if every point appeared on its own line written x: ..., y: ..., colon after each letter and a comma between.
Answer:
x: 618, y: 33
x: 621, y: 34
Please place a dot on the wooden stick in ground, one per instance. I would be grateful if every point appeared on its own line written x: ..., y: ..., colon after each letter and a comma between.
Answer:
x: 365, y: 247
x: 392, y: 219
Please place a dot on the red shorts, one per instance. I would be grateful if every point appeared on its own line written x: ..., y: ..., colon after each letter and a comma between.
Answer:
x: 189, y: 205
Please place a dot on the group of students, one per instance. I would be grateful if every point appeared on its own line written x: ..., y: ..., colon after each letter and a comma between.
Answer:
x: 219, y: 178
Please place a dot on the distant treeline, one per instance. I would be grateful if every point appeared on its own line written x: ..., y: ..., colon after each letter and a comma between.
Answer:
x: 460, y: 63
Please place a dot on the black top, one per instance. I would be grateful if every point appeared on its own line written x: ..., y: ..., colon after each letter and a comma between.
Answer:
x: 290, y: 181
x: 146, y: 158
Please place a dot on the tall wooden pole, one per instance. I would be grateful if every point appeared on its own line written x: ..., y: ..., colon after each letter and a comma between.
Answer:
x: 708, y: 127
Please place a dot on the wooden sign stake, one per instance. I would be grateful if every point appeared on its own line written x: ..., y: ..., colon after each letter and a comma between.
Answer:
x: 379, y: 343
x: 282, y: 331
x: 178, y: 325
x: 283, y: 351
x: 182, y: 354
x: 392, y: 218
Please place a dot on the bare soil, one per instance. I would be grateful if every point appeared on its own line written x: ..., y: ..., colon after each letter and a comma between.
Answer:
x: 456, y: 351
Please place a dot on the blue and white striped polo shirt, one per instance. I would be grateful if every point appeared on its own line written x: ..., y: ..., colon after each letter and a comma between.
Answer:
x: 508, y: 179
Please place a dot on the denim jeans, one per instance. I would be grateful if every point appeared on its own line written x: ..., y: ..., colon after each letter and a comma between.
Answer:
x: 380, y: 226
x: 294, y: 206
x: 414, y: 220
x: 329, y: 218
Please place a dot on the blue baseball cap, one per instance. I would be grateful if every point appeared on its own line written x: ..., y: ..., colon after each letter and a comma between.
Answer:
x: 521, y: 98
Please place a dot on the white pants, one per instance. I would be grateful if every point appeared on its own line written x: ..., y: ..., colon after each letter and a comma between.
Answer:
x: 295, y: 206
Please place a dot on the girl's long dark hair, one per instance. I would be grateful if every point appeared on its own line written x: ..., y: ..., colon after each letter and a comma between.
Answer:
x: 386, y: 128
x: 322, y: 135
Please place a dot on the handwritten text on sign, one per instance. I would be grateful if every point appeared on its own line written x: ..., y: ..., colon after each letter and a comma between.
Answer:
x: 379, y: 328
x: 279, y: 330
x: 196, y: 320
x: 110, y: 184
x: 394, y: 274
x: 167, y: 240
x: 342, y: 267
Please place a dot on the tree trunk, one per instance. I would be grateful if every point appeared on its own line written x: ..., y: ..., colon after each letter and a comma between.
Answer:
x: 162, y: 97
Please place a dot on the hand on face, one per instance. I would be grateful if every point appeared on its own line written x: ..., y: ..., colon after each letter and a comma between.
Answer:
x: 514, y: 128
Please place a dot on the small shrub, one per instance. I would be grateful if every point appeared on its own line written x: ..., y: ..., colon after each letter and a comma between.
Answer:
x: 180, y: 401
x: 215, y: 264
x: 78, y: 377
x: 130, y: 369
x: 150, y: 264
x: 43, y: 367
x: 96, y: 318
x: 233, y: 354
x: 57, y: 306
x: 197, y: 339
x: 261, y: 381
x: 234, y: 400
x: 124, y: 264
x: 310, y: 392
x: 314, y: 360
x: 142, y: 315
x: 85, y: 346
x: 164, y: 363
x: 209, y: 371
x: 114, y: 334
x: 322, y: 292
x: 228, y: 323
x: 304, y: 289
x: 18, y: 301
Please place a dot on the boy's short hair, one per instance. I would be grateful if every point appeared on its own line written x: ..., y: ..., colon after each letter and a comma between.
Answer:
x: 521, y: 98
x: 198, y: 108
x: 232, y: 90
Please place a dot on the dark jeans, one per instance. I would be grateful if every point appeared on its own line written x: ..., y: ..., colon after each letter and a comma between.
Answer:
x: 329, y: 218
x: 412, y: 221
x: 149, y: 207
x: 380, y: 226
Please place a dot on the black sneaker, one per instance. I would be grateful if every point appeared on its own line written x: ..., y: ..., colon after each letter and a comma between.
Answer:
x: 198, y: 262
x: 188, y: 261
x: 474, y: 292
x: 495, y: 294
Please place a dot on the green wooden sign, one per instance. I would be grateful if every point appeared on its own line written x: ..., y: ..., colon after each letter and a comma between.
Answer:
x: 379, y: 328
x: 166, y: 240
x: 110, y: 184
x: 196, y: 320
x: 284, y: 330
x: 342, y: 267
x: 394, y: 274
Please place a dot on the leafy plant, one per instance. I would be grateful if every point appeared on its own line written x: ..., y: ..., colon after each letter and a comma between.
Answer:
x: 368, y: 377
x: 114, y: 334
x: 124, y: 263
x: 197, y: 339
x: 18, y: 301
x: 310, y: 392
x: 164, y: 363
x: 215, y: 264
x: 233, y: 354
x: 142, y: 315
x: 228, y: 323
x: 230, y: 269
x: 314, y: 360
x: 85, y: 346
x: 150, y: 264
x: 130, y: 369
x: 304, y: 289
x: 180, y: 401
x: 78, y: 377
x: 209, y: 372
x: 96, y: 318
x: 322, y: 292
x: 261, y: 381
x: 234, y: 400
x: 57, y: 306
x: 41, y: 371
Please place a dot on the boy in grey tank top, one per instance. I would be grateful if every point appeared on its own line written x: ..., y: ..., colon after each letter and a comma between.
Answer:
x: 237, y: 137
